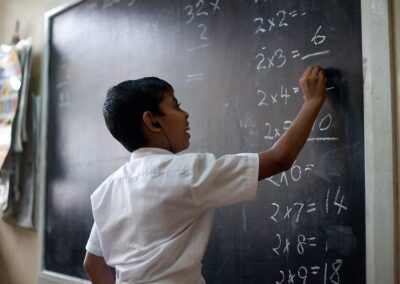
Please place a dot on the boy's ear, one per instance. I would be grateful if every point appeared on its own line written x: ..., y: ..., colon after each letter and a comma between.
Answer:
x: 148, y: 120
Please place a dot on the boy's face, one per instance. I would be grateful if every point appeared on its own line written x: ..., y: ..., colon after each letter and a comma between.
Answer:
x: 174, y: 123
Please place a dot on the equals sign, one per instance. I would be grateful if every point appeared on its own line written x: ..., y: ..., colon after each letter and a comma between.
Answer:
x: 314, y: 269
x: 311, y: 207
x: 295, y: 53
x: 195, y: 77
x: 293, y: 13
x: 296, y: 89
x: 309, y: 167
x: 312, y: 244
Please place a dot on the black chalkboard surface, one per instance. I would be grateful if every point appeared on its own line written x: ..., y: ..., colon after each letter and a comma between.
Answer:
x: 235, y: 67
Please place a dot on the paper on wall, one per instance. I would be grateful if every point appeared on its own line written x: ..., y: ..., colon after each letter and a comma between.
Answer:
x: 20, y: 135
x: 10, y: 83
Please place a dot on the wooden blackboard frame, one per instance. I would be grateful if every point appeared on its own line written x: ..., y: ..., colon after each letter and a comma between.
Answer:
x: 379, y: 146
x: 46, y: 276
x: 379, y: 130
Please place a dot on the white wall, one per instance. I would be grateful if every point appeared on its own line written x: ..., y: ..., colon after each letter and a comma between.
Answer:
x: 396, y: 75
x: 19, y: 247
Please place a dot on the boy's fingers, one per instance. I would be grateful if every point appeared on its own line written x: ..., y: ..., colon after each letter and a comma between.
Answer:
x: 323, y: 75
x: 322, y: 71
x: 308, y: 70
x: 315, y: 70
x: 312, y: 70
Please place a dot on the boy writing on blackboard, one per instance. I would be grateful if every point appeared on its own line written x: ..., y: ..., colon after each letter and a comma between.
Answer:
x: 153, y: 216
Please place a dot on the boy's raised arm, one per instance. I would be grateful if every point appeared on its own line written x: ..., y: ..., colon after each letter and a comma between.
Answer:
x: 284, y: 152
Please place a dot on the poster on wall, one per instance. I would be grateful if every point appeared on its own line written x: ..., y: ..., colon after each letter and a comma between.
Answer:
x: 10, y: 83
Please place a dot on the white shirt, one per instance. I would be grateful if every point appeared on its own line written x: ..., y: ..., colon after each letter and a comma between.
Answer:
x: 153, y: 216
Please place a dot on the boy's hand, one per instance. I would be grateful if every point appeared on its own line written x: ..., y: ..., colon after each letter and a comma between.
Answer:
x: 313, y: 84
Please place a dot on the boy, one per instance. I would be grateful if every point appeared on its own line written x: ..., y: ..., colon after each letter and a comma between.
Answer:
x: 153, y: 216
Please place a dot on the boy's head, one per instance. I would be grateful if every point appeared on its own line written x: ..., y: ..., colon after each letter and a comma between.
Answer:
x: 144, y: 113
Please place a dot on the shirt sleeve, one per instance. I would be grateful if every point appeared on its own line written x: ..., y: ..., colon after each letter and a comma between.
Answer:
x: 224, y: 181
x: 93, y: 245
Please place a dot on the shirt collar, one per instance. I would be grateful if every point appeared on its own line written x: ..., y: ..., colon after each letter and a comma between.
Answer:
x: 142, y: 152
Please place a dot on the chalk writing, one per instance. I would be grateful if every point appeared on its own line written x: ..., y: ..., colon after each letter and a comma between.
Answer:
x: 280, y: 20
x: 271, y: 98
x: 197, y: 14
x: 294, y: 211
x: 323, y: 124
x: 278, y: 58
x: 283, y: 244
x: 295, y: 174
x: 275, y: 60
x: 270, y: 58
x: 317, y: 38
x: 109, y: 3
x: 338, y: 201
x: 331, y: 273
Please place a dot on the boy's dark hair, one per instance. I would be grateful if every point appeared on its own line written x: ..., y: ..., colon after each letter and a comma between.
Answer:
x: 125, y: 104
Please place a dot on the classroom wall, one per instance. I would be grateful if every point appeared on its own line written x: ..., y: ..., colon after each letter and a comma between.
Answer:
x: 396, y: 75
x: 19, y: 247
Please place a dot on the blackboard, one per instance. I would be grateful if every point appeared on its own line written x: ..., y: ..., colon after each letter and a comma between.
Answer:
x: 235, y: 67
